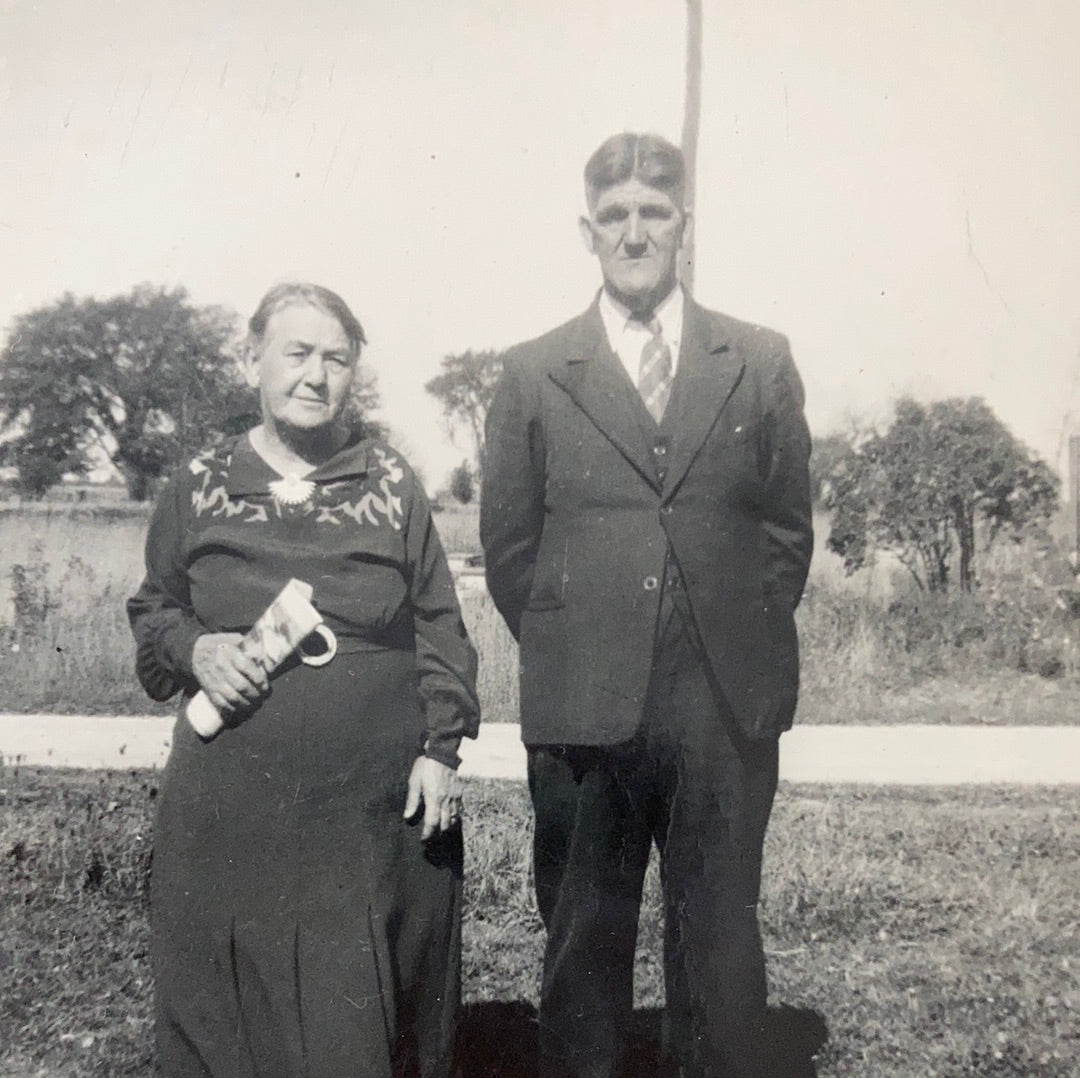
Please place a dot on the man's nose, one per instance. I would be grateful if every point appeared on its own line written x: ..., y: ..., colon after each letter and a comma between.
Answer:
x: 636, y: 236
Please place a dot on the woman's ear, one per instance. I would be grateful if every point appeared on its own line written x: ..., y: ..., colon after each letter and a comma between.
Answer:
x: 249, y: 363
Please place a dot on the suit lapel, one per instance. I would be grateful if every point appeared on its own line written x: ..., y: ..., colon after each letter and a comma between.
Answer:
x: 594, y: 379
x: 707, y: 375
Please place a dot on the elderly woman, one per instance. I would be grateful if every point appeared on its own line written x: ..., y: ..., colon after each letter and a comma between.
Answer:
x: 307, y: 859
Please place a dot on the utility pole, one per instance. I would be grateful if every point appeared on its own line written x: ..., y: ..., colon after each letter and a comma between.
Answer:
x: 691, y: 123
x: 1074, y: 495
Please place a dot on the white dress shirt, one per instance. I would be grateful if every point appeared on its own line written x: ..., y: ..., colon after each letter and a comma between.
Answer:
x: 628, y: 337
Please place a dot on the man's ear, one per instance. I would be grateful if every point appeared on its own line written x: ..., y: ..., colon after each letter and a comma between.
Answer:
x: 687, y: 227
x: 587, y: 234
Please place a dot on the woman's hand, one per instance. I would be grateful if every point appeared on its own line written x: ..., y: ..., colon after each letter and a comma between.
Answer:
x: 233, y: 681
x: 439, y: 788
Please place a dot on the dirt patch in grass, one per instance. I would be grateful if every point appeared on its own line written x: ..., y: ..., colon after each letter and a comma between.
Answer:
x: 929, y: 932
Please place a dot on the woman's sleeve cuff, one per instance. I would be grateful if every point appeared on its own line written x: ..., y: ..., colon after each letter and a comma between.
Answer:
x: 444, y: 750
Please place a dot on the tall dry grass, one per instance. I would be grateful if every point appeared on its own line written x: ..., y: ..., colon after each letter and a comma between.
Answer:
x: 459, y: 529
x: 497, y: 681
x: 872, y: 639
x: 64, y: 640
x: 874, y: 647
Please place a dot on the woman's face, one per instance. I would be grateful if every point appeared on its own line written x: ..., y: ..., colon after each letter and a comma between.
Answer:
x: 303, y: 368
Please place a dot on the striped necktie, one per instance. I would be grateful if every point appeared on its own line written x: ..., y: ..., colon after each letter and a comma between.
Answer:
x: 654, y: 372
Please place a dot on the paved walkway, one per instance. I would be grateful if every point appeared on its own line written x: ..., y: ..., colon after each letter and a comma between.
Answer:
x: 901, y: 755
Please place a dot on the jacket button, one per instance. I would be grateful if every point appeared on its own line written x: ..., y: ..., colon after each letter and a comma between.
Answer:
x: 651, y: 583
x: 666, y: 510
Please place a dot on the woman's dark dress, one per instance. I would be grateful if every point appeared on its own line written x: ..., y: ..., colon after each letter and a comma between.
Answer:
x: 301, y: 928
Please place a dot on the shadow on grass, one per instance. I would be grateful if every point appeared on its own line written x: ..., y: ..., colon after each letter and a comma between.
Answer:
x: 498, y: 1040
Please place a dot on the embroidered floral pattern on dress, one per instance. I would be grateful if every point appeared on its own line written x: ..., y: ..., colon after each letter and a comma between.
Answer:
x: 213, y: 498
x: 380, y: 501
x: 370, y: 507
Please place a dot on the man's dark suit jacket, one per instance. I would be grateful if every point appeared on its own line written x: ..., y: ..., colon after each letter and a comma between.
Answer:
x: 576, y: 523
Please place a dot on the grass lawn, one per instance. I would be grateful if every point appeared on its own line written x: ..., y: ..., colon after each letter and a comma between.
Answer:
x: 934, y: 933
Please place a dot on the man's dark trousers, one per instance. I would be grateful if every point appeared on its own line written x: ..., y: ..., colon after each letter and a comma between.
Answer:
x: 703, y: 793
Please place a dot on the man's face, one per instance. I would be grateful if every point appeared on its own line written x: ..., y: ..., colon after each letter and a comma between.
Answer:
x: 303, y: 368
x: 636, y: 232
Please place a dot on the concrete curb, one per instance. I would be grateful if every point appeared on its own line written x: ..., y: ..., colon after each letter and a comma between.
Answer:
x: 917, y: 755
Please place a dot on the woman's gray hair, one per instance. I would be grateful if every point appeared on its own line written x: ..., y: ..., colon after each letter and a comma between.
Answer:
x: 292, y: 292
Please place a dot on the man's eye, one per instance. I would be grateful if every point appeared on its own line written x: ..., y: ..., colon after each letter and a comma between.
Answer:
x: 337, y: 360
x: 656, y: 213
x: 610, y: 217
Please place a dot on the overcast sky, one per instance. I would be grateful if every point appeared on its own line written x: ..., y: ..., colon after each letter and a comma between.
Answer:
x: 894, y: 185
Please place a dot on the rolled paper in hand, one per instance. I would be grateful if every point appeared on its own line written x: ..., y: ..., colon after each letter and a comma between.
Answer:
x: 270, y: 641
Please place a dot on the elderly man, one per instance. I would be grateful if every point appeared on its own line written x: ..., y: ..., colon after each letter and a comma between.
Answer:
x: 647, y: 529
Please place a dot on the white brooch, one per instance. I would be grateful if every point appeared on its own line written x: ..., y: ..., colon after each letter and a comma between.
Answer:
x: 292, y: 490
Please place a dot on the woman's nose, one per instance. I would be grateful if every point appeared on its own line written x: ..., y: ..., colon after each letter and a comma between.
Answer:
x: 314, y: 370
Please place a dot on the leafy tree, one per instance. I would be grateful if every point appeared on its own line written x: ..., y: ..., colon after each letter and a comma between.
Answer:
x: 364, y: 400
x: 141, y: 380
x: 462, y: 486
x: 826, y: 462
x: 465, y: 388
x: 928, y: 484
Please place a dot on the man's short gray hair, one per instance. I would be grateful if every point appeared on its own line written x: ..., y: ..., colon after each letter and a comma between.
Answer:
x: 648, y: 158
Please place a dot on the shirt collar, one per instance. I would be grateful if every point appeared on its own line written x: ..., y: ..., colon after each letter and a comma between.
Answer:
x: 248, y: 473
x: 669, y: 313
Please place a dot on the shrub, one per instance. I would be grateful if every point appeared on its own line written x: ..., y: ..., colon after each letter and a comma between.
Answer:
x: 859, y: 642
